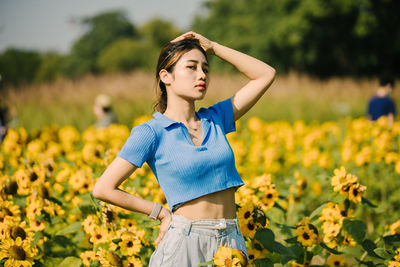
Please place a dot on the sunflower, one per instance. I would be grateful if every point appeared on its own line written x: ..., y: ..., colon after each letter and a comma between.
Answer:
x: 132, y: 262
x: 9, y: 213
x: 36, y: 225
x: 394, y: 264
x: 331, y: 228
x: 254, y: 254
x: 270, y: 195
x: 248, y: 228
x: 245, y: 213
x: 20, y: 230
x: 99, y: 235
x: 355, y: 192
x: 89, y: 223
x: 395, y: 228
x: 349, y: 240
x: 109, y: 259
x: 227, y: 257
x: 88, y: 256
x: 17, y: 251
x: 341, y: 179
x: 336, y: 260
x: 304, y: 264
x: 130, y: 244
x: 108, y: 215
x: 307, y: 234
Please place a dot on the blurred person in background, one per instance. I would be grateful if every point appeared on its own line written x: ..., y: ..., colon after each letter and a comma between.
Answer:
x: 189, y: 154
x: 103, y: 110
x: 4, y: 121
x: 382, y: 104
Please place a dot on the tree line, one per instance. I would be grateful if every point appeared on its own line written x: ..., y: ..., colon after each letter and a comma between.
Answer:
x: 317, y: 37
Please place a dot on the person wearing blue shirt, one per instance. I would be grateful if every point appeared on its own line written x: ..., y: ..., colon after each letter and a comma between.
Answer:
x: 381, y: 104
x: 189, y: 153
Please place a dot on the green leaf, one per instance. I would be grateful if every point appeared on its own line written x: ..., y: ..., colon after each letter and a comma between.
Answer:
x: 390, y: 239
x: 317, y: 212
x: 87, y: 209
x: 150, y: 224
x: 266, y: 237
x: 331, y: 250
x: 370, y: 246
x: 95, y: 202
x: 383, y: 253
x: 355, y: 228
x: 292, y: 240
x: 281, y: 249
x: 368, y: 203
x: 263, y: 263
x: 71, y: 262
x: 206, y: 263
x: 73, y: 228
x: 37, y: 236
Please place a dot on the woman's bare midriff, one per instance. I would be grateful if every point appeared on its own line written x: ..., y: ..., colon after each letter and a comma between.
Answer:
x: 216, y: 205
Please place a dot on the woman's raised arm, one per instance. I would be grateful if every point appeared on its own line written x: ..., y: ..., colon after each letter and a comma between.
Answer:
x: 261, y: 75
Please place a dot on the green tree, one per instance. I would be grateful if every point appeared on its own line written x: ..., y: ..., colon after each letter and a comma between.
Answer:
x: 324, y: 38
x: 103, y: 29
x: 18, y: 66
x: 126, y: 55
x: 50, y: 67
x: 159, y: 32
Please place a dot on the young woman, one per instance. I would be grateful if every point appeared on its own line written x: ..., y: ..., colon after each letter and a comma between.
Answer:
x: 189, y: 153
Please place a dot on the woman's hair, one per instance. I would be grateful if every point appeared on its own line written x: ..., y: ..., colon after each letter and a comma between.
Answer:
x: 170, y: 54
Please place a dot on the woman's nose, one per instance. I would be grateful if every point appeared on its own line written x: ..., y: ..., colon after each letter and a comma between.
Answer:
x: 202, y: 74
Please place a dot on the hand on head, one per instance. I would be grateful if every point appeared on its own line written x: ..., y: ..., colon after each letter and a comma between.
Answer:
x: 206, y: 44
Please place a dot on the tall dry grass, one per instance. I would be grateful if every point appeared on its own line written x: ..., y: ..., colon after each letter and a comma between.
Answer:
x: 291, y: 97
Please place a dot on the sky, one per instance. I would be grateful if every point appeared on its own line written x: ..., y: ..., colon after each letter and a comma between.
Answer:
x: 45, y: 25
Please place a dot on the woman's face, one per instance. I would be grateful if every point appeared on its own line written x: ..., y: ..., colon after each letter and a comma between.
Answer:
x: 189, y: 78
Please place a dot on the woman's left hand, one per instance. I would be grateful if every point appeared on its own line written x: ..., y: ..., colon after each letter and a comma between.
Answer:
x: 206, y: 44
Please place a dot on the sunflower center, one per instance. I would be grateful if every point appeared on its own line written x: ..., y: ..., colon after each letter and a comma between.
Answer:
x: 17, y: 253
x: 18, y: 232
x: 110, y: 216
x: 129, y: 244
x: 269, y: 196
x: 98, y: 236
x: 11, y: 188
x: 306, y: 236
x: 247, y: 214
x: 355, y: 192
x: 336, y: 263
x: 250, y: 226
x: 33, y: 176
x: 8, y: 212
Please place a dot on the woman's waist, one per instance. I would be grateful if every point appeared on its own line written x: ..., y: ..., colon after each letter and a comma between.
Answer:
x: 217, y: 205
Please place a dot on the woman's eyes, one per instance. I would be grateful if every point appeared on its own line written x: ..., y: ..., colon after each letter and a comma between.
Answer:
x: 194, y: 68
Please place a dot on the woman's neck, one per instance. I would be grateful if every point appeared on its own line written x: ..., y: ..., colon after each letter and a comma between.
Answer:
x: 181, y: 111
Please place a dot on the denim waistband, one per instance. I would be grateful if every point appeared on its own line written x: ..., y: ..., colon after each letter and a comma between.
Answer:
x: 212, y: 224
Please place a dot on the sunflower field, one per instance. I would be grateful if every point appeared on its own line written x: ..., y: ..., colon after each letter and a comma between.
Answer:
x: 315, y: 194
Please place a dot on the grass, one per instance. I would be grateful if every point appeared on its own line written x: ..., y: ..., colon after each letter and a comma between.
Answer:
x: 291, y: 97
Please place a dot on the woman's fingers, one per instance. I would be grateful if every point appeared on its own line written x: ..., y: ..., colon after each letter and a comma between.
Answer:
x: 184, y: 36
x: 160, y: 237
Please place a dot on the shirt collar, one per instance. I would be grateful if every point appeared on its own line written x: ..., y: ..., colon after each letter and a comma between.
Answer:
x: 166, y: 122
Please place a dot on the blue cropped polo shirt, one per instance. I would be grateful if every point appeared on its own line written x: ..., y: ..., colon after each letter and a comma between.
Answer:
x: 185, y: 171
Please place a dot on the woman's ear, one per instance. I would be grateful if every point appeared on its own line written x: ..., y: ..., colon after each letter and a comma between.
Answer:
x: 165, y: 77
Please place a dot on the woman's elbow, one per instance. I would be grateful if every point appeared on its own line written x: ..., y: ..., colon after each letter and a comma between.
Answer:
x: 97, y: 191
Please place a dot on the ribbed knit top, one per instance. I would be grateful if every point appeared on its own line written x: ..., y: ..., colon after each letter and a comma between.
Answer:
x: 185, y: 171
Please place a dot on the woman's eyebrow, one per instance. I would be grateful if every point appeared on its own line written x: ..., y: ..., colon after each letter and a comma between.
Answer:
x: 196, y: 61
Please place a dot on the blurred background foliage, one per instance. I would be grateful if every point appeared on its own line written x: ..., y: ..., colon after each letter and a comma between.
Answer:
x: 358, y: 38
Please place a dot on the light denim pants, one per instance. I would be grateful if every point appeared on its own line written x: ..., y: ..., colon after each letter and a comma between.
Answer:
x: 189, y: 242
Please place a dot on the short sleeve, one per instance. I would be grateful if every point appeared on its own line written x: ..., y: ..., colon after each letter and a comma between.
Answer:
x: 139, y: 147
x: 224, y: 112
